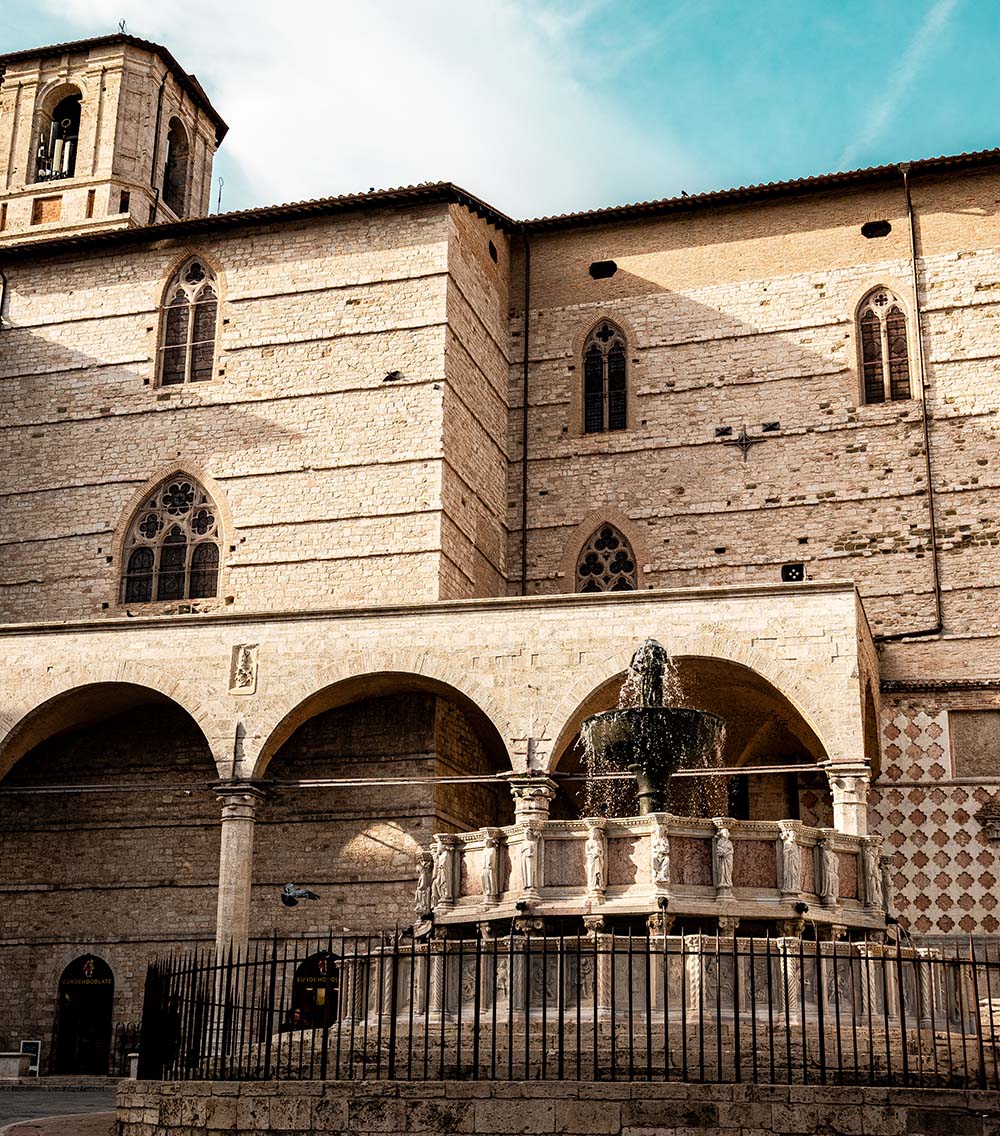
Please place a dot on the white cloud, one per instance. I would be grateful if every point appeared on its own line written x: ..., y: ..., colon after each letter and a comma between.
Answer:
x: 902, y: 77
x: 335, y: 97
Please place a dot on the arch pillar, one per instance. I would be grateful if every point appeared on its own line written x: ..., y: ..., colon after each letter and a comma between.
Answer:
x: 239, y: 800
x: 849, y: 785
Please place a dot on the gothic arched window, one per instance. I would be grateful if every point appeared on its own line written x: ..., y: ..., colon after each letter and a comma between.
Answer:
x: 175, y: 169
x: 190, y: 316
x: 884, y: 357
x: 604, y: 380
x: 172, y: 548
x: 607, y: 563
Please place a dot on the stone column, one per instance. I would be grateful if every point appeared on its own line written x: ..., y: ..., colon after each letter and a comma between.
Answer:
x: 849, y: 785
x: 239, y: 805
x: 532, y: 793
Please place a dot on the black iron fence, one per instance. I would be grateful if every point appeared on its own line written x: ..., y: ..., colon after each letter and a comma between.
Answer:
x: 591, y: 1007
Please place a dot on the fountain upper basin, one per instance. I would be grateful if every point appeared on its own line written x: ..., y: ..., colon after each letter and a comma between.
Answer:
x: 653, y: 742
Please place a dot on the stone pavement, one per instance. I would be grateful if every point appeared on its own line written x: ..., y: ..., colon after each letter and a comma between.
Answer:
x: 37, y: 1112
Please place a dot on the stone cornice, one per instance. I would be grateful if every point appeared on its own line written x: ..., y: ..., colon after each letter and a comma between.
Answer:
x: 436, y: 607
x: 914, y: 686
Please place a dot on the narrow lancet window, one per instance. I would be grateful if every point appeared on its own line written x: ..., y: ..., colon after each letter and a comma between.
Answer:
x: 606, y: 563
x: 172, y: 547
x: 605, y: 380
x: 190, y: 318
x: 884, y: 357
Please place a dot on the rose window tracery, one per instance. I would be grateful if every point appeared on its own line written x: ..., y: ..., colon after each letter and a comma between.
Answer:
x: 172, y: 549
x: 606, y: 563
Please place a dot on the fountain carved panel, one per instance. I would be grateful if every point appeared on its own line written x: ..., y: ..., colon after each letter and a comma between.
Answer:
x: 624, y: 883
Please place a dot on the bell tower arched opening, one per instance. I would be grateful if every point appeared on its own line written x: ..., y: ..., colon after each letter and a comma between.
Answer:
x: 59, y: 139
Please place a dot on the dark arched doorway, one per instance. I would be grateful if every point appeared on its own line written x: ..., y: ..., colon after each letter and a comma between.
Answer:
x: 315, y: 991
x: 83, y: 1021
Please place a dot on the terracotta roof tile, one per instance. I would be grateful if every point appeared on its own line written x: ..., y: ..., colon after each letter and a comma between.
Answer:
x: 188, y: 82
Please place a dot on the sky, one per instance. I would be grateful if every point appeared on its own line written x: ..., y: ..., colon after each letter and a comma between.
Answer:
x: 549, y: 106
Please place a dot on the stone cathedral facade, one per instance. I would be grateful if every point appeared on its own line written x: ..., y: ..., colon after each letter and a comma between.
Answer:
x: 306, y: 510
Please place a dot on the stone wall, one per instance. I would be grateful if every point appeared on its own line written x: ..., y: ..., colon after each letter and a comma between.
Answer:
x: 330, y: 478
x: 745, y: 314
x: 357, y: 846
x: 575, y: 1108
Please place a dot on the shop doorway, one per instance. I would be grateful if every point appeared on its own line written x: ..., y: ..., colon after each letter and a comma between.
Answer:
x: 83, y: 1021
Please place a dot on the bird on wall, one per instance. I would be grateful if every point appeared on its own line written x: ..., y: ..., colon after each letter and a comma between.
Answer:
x: 291, y: 894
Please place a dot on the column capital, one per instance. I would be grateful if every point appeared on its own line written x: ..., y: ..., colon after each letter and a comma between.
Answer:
x: 849, y: 781
x: 239, y: 799
x: 533, y: 793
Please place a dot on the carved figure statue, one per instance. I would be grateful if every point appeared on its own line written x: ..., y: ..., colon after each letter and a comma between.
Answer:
x: 830, y: 882
x: 661, y: 858
x: 488, y: 868
x: 723, y: 859
x: 441, y: 886
x: 425, y: 872
x: 888, y: 891
x: 873, y: 878
x: 791, y: 862
x: 594, y: 851
x: 529, y: 852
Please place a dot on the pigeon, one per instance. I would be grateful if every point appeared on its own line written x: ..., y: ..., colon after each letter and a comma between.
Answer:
x: 291, y: 894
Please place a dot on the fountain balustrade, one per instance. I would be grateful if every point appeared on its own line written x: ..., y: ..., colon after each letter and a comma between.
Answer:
x: 605, y: 870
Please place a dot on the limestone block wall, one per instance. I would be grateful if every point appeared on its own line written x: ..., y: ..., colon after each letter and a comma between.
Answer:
x: 745, y: 315
x: 474, y: 472
x: 331, y: 478
x: 158, y: 1108
x: 356, y: 846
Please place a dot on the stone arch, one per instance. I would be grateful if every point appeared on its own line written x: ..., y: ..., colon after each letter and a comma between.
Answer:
x: 364, y: 676
x: 583, y: 531
x: 176, y: 167
x: 71, y: 700
x: 592, y: 321
x: 872, y: 734
x: 563, y: 721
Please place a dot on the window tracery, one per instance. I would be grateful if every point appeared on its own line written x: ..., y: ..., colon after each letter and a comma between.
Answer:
x: 172, y: 548
x: 605, y: 380
x: 884, y: 354
x: 606, y: 563
x: 190, y: 317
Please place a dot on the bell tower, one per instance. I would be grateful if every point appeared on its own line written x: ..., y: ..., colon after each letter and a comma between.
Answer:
x: 104, y: 133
